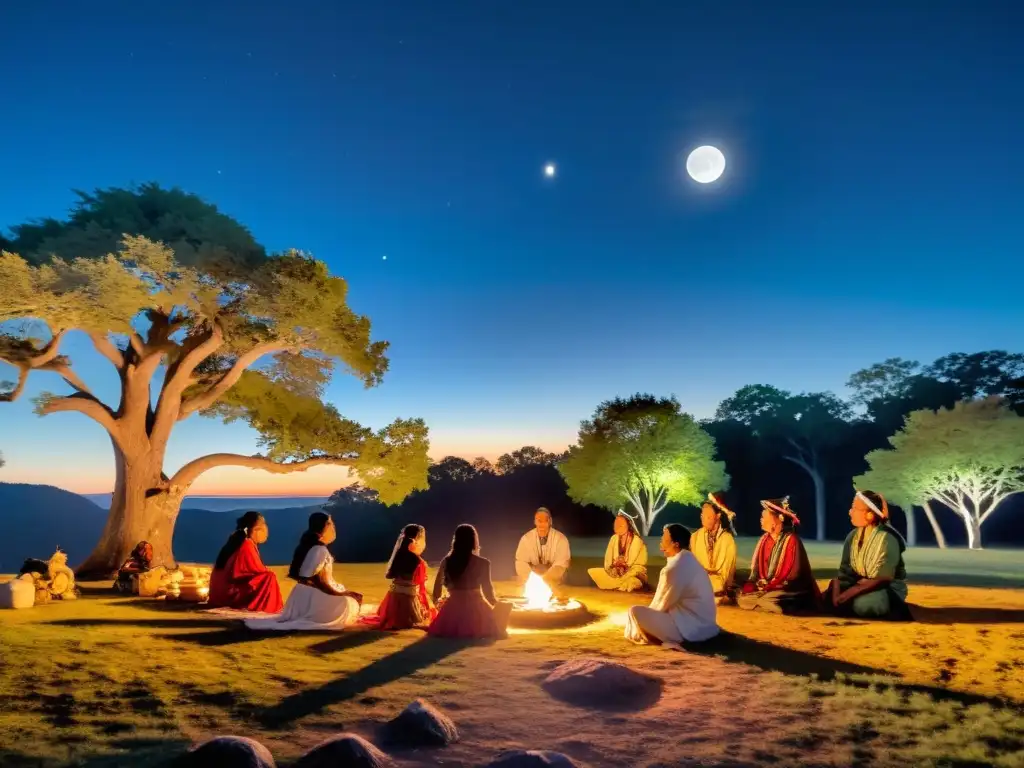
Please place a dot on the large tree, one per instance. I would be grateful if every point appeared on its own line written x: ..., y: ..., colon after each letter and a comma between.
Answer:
x: 527, y: 456
x: 194, y: 318
x: 643, y: 450
x: 969, y: 458
x: 451, y: 469
x: 887, y: 380
x: 799, y: 428
x: 979, y: 374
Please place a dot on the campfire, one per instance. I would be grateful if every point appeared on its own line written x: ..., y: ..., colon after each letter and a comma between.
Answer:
x: 538, y: 608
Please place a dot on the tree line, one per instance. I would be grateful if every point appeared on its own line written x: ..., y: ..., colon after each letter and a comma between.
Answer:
x: 944, y: 442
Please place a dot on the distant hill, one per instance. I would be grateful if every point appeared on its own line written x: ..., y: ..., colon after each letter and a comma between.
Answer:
x: 199, y: 533
x: 229, y: 503
x: 35, y: 519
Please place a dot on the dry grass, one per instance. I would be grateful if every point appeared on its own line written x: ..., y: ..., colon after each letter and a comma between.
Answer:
x: 94, y: 681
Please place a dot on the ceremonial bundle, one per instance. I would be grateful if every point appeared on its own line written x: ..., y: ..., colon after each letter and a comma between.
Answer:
x: 192, y: 584
x: 52, y: 578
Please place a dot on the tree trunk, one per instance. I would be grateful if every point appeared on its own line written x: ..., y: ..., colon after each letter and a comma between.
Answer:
x: 973, y: 530
x: 819, y: 504
x: 819, y: 492
x: 940, y: 537
x: 141, y: 510
x: 641, y: 516
x: 908, y: 512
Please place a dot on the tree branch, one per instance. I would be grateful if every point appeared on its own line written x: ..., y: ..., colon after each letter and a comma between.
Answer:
x: 46, y: 359
x: 179, y: 376
x: 14, y: 394
x: 188, y: 474
x: 228, y: 380
x: 108, y: 349
x: 72, y: 378
x: 87, y: 405
x: 800, y: 463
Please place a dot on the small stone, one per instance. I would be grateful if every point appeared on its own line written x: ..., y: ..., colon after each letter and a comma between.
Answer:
x: 422, y: 725
x: 228, y: 752
x: 533, y: 758
x: 347, y: 750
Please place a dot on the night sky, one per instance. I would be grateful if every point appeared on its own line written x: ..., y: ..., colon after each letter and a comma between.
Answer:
x: 870, y: 208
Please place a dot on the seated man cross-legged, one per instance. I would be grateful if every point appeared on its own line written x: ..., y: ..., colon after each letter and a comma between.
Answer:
x: 872, y: 577
x: 683, y: 608
x: 544, y: 551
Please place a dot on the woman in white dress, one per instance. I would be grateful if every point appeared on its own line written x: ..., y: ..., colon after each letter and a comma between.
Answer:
x: 318, y: 602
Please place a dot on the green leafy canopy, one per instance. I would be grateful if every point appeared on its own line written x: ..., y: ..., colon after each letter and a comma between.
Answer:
x: 969, y: 457
x: 242, y: 335
x: 642, y: 445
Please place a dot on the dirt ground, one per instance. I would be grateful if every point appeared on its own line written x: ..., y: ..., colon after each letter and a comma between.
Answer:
x: 108, y: 681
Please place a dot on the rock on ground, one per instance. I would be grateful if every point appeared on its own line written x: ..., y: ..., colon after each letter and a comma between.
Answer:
x: 421, y: 725
x: 533, y: 758
x: 601, y: 684
x: 346, y: 750
x: 228, y: 752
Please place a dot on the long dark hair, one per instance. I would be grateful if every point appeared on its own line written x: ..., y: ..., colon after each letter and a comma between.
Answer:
x: 465, y: 544
x: 317, y: 525
x: 243, y: 527
x: 403, y: 562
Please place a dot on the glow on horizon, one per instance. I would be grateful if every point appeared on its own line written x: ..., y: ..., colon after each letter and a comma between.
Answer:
x: 229, y: 481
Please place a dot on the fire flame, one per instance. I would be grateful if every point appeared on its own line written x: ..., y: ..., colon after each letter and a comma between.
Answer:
x: 537, y: 593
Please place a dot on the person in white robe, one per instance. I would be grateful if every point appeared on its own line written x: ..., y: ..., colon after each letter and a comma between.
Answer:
x: 317, y: 602
x: 714, y: 546
x: 543, y: 551
x: 683, y: 608
x: 625, y: 559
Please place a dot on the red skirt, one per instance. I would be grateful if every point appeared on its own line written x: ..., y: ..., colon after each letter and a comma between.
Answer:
x: 402, y: 608
x: 466, y: 614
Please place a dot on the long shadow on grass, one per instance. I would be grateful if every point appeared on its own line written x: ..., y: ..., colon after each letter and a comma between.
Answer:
x: 148, y: 623
x: 137, y: 752
x: 410, y: 659
x: 775, y: 658
x: 964, y: 615
x: 242, y: 634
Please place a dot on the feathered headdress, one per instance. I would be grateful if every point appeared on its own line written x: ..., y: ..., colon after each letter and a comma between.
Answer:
x: 781, y: 507
x: 717, y: 503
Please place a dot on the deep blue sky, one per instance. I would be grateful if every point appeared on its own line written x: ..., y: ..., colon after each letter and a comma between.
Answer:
x: 870, y: 206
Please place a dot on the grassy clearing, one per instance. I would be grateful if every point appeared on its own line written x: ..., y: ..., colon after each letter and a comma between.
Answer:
x: 107, y: 681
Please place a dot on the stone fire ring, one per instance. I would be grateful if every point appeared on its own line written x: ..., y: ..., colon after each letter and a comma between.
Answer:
x: 571, y: 613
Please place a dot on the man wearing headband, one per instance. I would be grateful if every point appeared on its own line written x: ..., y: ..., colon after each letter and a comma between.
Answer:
x: 714, y: 546
x: 625, y: 559
x: 543, y: 551
x: 781, y: 580
x: 872, y: 577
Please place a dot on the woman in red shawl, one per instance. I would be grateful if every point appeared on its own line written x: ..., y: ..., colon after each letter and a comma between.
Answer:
x: 240, y: 580
x: 781, y: 580
x: 407, y: 605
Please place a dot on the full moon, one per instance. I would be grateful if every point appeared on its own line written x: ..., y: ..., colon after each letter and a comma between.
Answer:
x: 549, y: 170
x: 705, y: 164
